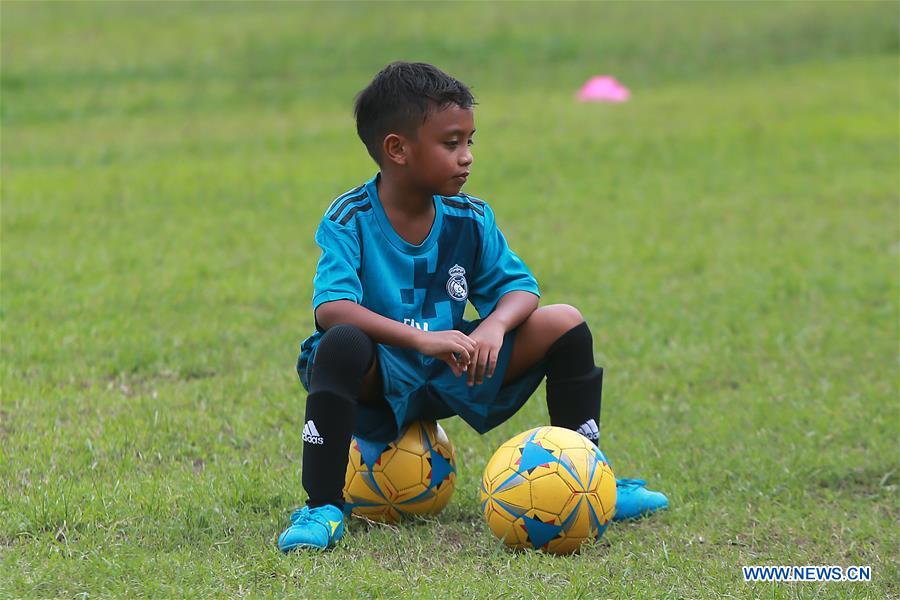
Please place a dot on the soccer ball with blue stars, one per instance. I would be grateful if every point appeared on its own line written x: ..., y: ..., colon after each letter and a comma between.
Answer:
x: 414, y: 475
x: 548, y: 488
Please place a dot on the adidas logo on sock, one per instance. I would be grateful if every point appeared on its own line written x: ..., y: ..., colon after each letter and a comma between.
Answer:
x: 589, y: 430
x: 311, y: 434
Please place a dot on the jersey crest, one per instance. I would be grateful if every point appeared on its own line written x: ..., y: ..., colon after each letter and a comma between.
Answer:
x: 456, y: 285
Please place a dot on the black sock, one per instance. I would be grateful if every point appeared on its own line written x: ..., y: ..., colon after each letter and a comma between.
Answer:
x: 344, y: 355
x: 574, y: 383
x: 327, y: 430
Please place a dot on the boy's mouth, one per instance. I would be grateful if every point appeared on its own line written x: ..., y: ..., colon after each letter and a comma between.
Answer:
x: 462, y: 176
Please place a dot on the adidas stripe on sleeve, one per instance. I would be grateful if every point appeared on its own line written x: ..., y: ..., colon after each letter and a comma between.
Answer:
x: 337, y: 275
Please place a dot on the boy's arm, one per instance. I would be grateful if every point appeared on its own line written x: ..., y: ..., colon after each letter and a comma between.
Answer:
x: 453, y: 347
x: 512, y: 310
x: 381, y: 329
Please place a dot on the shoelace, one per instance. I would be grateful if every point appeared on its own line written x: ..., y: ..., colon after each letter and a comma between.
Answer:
x: 301, y: 514
x: 305, y: 515
x: 630, y: 483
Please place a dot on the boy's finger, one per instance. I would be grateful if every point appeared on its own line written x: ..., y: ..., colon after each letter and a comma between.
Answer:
x: 480, y: 368
x: 454, y: 366
x: 492, y: 363
x: 471, y: 370
x: 464, y: 355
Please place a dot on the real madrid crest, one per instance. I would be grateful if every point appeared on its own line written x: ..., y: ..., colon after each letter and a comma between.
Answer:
x: 456, y: 285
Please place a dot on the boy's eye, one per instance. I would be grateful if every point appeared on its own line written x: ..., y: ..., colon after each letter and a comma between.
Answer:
x: 455, y: 143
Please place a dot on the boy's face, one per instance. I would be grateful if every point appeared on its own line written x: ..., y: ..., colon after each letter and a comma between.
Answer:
x: 440, y: 156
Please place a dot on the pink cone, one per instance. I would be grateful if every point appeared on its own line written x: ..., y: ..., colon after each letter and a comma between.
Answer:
x: 603, y: 88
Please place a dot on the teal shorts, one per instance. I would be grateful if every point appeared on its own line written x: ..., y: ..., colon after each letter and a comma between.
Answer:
x: 421, y: 387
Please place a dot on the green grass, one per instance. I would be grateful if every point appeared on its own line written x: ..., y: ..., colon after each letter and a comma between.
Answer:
x: 731, y: 235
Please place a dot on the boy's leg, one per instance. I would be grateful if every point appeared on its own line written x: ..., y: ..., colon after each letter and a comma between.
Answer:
x: 537, y: 333
x: 345, y: 372
x: 559, y: 334
x: 343, y: 358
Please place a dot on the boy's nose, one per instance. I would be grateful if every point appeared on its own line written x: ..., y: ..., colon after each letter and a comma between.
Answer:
x: 466, y: 159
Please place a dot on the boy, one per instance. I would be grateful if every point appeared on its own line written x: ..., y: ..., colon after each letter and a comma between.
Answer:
x: 401, y: 255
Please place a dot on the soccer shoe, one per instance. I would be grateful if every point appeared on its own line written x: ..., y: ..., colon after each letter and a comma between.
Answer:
x: 633, y: 500
x: 315, y: 528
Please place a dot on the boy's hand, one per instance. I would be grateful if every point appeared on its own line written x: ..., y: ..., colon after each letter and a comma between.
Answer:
x: 489, y: 339
x: 447, y: 346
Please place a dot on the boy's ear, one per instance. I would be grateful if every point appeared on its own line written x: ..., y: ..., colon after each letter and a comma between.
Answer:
x: 395, y: 148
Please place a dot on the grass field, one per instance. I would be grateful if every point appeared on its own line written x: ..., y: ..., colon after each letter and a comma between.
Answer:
x: 731, y: 235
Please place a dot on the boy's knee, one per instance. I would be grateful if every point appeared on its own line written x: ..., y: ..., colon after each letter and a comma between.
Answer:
x: 569, y: 316
x: 345, y: 353
x: 556, y: 319
x: 572, y: 354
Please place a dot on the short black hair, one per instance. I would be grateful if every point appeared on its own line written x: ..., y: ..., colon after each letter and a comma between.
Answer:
x: 400, y: 97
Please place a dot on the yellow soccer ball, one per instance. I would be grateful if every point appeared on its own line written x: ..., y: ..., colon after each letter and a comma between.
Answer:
x: 414, y: 475
x: 548, y: 488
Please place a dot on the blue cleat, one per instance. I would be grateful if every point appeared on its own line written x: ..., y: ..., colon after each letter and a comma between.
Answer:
x: 314, y: 528
x: 633, y: 500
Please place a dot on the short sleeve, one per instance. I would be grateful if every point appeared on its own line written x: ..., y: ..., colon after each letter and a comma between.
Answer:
x: 499, y: 270
x: 337, y: 273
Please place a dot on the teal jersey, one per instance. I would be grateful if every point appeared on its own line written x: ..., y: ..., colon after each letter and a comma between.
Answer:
x: 464, y: 258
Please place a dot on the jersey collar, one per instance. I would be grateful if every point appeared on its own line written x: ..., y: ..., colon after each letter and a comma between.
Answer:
x: 388, y: 229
